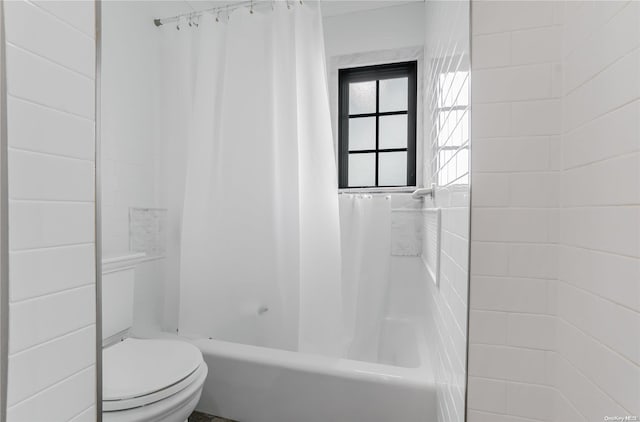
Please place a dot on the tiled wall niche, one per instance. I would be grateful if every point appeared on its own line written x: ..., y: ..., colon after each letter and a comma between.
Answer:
x: 51, y: 87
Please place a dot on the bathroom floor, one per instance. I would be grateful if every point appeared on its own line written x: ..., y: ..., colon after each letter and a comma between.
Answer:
x: 203, y: 417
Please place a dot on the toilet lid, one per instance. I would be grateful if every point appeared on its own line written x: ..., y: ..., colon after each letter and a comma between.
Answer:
x: 135, y: 367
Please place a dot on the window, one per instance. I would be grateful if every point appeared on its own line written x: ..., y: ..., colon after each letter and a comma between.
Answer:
x: 452, y: 127
x: 377, y: 126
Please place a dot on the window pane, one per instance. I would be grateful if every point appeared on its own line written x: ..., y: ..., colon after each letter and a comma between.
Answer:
x: 446, y: 166
x: 362, y: 97
x: 362, y: 133
x: 453, y: 89
x: 393, y: 131
x: 463, y: 96
x: 453, y: 129
x: 444, y: 83
x: 394, y: 94
x: 462, y: 162
x: 393, y: 169
x: 362, y: 169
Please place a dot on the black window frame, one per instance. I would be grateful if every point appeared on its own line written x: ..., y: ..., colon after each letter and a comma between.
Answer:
x: 377, y: 73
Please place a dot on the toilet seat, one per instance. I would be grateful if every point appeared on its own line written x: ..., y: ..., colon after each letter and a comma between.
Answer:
x: 140, y: 372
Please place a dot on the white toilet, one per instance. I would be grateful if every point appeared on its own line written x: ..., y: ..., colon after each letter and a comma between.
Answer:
x: 143, y: 380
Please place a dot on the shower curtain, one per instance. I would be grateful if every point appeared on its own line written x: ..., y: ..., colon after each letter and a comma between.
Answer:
x: 366, y: 250
x: 260, y: 244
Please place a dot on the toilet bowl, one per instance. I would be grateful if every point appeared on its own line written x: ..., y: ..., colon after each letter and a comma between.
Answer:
x: 151, y: 380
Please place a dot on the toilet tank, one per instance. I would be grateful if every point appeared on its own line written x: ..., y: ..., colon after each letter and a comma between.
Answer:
x: 118, y: 278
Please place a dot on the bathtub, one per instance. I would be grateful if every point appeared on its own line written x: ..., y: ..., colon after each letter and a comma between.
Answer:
x: 258, y: 384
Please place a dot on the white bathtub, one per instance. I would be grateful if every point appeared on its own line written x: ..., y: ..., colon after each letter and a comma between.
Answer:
x: 257, y: 384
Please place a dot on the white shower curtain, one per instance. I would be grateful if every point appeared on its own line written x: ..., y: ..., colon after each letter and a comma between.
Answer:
x: 366, y: 251
x: 260, y: 246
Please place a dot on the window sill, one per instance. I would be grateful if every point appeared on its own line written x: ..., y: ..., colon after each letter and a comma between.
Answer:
x: 402, y: 189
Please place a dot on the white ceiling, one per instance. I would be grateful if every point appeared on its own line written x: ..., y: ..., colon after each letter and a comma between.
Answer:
x: 341, y: 7
x: 329, y: 7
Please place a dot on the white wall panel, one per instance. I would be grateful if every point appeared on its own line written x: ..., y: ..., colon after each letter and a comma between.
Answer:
x: 447, y: 76
x: 50, y: 67
x: 575, y: 303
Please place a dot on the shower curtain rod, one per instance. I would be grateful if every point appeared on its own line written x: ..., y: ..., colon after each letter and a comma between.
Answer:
x: 216, y: 11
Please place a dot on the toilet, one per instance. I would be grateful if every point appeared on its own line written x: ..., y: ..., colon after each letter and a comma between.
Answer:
x: 143, y: 380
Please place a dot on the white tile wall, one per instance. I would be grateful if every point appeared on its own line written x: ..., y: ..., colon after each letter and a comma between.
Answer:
x: 50, y: 79
x: 142, y: 143
x: 42, y: 224
x: 47, y: 83
x: 131, y: 138
x: 68, y: 179
x: 56, y: 133
x: 39, y: 272
x: 556, y: 235
x: 599, y: 254
x: 78, y: 47
x: 447, y: 54
x: 79, y: 15
x: 35, y: 370
x: 60, y: 401
x: 516, y: 122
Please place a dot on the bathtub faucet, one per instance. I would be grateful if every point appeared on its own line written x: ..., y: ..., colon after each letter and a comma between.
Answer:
x: 262, y: 310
